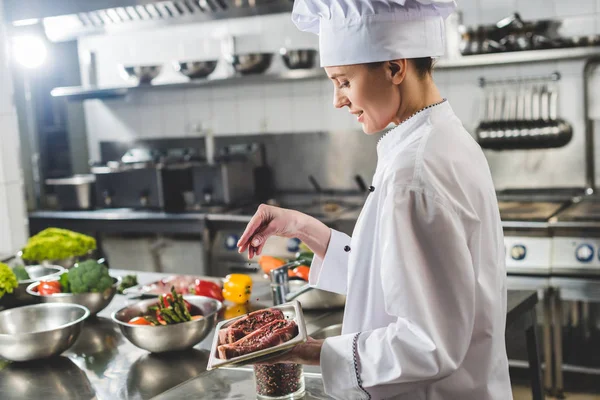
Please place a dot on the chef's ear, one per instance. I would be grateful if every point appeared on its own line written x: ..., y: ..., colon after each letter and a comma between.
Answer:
x: 397, y: 69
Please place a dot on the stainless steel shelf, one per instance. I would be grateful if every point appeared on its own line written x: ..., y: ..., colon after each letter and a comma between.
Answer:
x: 83, y: 93
x: 521, y: 57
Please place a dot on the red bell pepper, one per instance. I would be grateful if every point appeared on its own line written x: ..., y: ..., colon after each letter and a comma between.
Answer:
x: 208, y: 289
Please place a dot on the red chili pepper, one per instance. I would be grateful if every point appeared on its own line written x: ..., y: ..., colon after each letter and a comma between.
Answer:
x: 166, y: 299
x: 208, y: 289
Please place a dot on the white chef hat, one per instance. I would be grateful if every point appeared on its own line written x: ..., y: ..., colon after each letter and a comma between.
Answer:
x: 364, y: 31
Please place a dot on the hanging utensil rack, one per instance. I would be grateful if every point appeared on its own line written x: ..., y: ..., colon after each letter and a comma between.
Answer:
x: 522, y: 114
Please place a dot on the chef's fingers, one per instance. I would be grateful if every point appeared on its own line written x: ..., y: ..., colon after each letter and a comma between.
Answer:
x: 255, y: 223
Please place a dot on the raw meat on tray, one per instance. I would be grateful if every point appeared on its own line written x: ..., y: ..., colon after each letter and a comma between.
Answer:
x: 270, y: 335
x: 248, y: 324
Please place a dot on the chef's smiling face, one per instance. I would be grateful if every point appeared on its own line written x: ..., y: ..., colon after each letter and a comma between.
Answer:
x: 371, y: 93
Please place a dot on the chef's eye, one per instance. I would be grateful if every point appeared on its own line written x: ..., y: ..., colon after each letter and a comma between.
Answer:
x: 344, y: 84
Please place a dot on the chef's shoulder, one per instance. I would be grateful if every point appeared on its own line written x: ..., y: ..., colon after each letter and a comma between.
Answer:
x: 447, y: 163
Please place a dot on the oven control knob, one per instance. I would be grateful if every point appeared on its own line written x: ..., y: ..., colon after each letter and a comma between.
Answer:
x: 231, y: 242
x: 293, y: 245
x: 584, y: 253
x: 518, y: 252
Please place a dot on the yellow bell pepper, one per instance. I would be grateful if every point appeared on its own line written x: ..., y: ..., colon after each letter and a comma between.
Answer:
x: 235, y: 311
x: 237, y: 288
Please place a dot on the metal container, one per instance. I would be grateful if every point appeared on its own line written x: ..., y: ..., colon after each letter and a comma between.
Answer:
x: 251, y: 63
x: 66, y: 263
x: 292, y: 311
x: 74, y: 193
x: 224, y: 183
x: 195, y: 69
x: 143, y: 74
x: 36, y: 273
x: 160, y: 339
x: 94, y: 302
x: 316, y: 299
x: 40, y: 330
x: 299, y: 59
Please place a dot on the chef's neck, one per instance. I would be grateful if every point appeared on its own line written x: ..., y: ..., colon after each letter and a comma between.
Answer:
x: 416, y: 93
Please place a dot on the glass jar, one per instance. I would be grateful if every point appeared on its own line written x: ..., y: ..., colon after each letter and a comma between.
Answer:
x: 279, y: 381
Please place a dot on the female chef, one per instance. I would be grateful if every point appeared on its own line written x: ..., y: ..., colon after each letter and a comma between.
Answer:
x: 424, y: 269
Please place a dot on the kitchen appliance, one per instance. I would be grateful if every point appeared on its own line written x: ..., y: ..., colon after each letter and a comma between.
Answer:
x: 146, y: 179
x: 74, y: 193
x: 223, y: 183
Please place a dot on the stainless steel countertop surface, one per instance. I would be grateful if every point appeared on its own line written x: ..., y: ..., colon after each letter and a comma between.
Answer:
x: 103, y: 365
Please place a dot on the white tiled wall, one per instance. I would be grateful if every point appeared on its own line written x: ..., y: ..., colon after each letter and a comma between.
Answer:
x: 307, y: 106
x: 13, y: 221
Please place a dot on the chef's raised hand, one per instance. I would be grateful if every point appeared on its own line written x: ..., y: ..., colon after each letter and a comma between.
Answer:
x: 274, y: 221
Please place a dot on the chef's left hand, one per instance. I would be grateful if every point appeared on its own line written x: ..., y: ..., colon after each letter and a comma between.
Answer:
x: 308, y: 353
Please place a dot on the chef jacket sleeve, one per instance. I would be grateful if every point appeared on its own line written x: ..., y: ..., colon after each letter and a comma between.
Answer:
x: 428, y: 282
x: 331, y: 272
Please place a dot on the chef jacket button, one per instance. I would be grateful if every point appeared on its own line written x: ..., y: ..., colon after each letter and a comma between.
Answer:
x: 346, y: 248
x: 371, y: 189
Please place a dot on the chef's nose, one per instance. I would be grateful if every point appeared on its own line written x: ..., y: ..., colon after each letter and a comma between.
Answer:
x: 339, y: 100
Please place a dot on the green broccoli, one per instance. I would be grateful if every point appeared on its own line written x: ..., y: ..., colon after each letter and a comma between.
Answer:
x: 8, y: 280
x: 89, y: 276
x: 21, y: 273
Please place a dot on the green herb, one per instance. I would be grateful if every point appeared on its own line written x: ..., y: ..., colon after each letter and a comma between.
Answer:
x: 8, y: 280
x: 127, y: 282
x: 21, y: 273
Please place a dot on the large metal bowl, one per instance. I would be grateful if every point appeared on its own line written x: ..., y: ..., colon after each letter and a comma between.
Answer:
x: 299, y: 59
x: 316, y: 299
x: 95, y: 302
x: 195, y: 69
x: 251, y: 63
x: 160, y: 339
x: 66, y: 263
x: 141, y: 73
x: 40, y: 330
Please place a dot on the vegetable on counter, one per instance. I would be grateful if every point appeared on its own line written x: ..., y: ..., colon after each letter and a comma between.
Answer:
x: 207, y: 289
x: 47, y: 288
x: 89, y: 276
x: 21, y: 273
x: 127, y: 282
x: 301, y: 272
x: 8, y: 280
x: 269, y: 263
x: 306, y: 257
x: 170, y: 309
x: 57, y: 244
x: 237, y: 288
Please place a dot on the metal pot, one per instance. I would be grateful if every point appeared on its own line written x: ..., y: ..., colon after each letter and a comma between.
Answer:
x: 74, y: 193
x: 143, y: 73
x: 251, y: 63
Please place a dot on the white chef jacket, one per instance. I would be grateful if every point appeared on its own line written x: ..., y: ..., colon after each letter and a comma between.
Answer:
x: 424, y: 274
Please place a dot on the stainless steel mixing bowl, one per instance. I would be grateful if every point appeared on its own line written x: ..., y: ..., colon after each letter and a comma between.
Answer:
x: 316, y: 299
x: 160, y: 339
x: 141, y: 73
x: 299, y: 59
x: 195, y: 69
x: 251, y: 63
x: 95, y: 302
x: 36, y: 273
x: 40, y: 330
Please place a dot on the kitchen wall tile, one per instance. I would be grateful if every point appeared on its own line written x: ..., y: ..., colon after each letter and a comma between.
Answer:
x: 491, y: 11
x: 226, y: 117
x: 571, y: 68
x: 120, y: 120
x: 307, y: 88
x: 10, y: 162
x: 579, y: 26
x: 6, y: 93
x: 199, y: 111
x: 226, y: 92
x: 470, y: 10
x: 594, y: 105
x: 18, y: 221
x: 279, y: 89
x: 537, y: 9
x: 307, y: 114
x: 578, y: 7
x: 252, y: 111
x: 152, y: 122
x: 175, y: 120
x: 278, y: 114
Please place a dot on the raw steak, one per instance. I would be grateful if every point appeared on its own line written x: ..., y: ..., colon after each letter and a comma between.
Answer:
x: 248, y: 324
x: 270, y: 335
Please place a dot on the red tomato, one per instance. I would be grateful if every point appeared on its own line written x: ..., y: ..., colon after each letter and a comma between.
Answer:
x: 46, y: 288
x: 139, y: 321
x: 208, y: 289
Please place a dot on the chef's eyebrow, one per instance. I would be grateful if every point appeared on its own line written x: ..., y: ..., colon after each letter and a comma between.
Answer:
x: 335, y: 76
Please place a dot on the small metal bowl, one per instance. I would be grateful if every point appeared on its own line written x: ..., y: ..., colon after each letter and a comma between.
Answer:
x: 36, y: 273
x: 195, y: 69
x: 299, y: 59
x: 40, y: 330
x: 95, y: 302
x: 143, y: 74
x: 251, y: 63
x: 160, y: 339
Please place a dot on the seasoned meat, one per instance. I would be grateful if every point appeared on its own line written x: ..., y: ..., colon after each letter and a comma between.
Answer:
x: 270, y: 335
x: 248, y: 324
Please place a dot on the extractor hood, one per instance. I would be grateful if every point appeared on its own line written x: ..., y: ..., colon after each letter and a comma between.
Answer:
x: 68, y: 19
